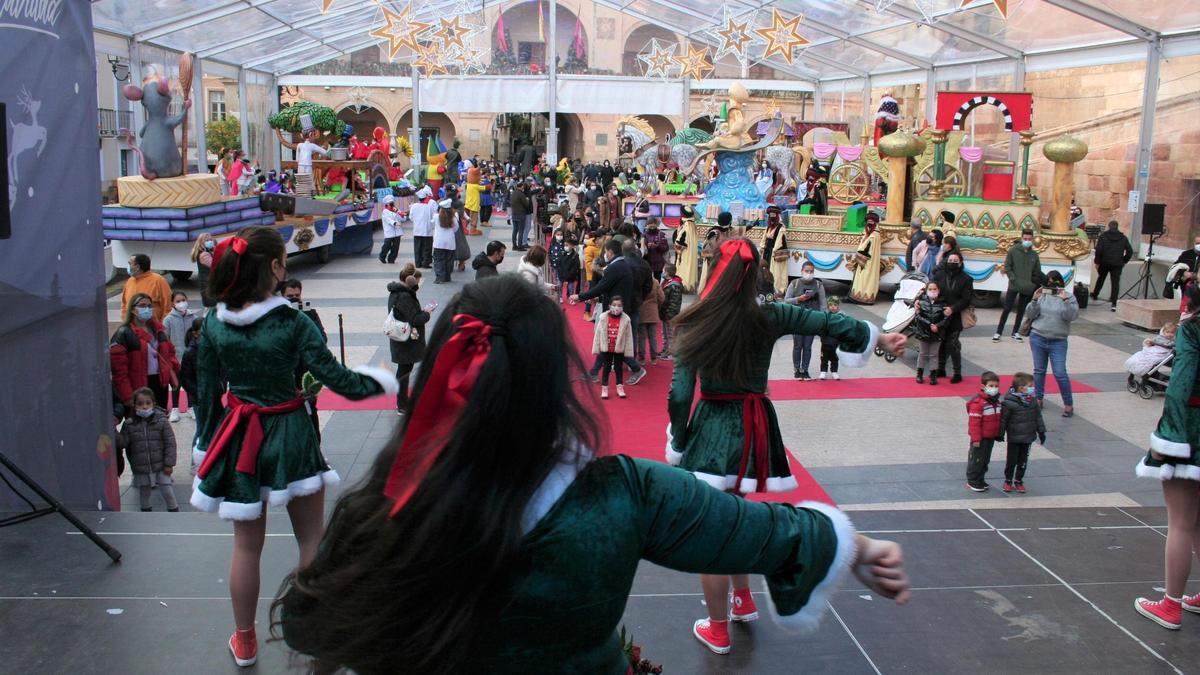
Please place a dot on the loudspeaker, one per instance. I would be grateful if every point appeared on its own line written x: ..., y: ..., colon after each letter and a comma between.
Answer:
x: 5, y: 213
x: 1152, y: 219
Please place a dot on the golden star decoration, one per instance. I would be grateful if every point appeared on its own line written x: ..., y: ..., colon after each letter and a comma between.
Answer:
x: 1001, y: 6
x: 734, y: 37
x: 451, y: 32
x: 401, y: 31
x: 325, y: 5
x: 695, y: 63
x: 782, y: 36
x: 427, y: 61
x: 772, y: 108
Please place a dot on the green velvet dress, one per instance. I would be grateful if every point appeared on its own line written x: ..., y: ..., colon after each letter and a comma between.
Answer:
x: 258, y: 350
x: 584, y: 552
x: 710, y: 443
x: 1177, y: 437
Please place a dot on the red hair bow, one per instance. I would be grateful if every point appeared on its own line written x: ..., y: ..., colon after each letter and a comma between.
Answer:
x: 734, y: 247
x: 239, y: 247
x: 441, y: 404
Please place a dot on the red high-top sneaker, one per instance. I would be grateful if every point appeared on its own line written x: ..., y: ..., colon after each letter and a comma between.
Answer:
x: 743, y: 607
x: 713, y: 634
x: 1191, y: 603
x: 1166, y: 612
x: 244, y: 646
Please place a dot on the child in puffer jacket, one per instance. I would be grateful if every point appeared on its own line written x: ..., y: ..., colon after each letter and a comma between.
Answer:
x: 149, y: 443
x: 983, y: 426
x: 1021, y: 423
x: 930, y: 322
x: 672, y: 304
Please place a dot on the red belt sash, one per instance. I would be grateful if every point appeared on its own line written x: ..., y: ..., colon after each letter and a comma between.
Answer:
x: 239, y: 415
x: 755, y: 434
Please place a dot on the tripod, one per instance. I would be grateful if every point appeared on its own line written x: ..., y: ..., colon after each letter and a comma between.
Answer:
x: 1145, y: 281
x: 55, y: 506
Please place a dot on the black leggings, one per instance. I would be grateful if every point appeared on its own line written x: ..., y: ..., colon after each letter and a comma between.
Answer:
x: 612, y: 361
x: 829, y: 359
x: 952, y: 350
x: 403, y: 370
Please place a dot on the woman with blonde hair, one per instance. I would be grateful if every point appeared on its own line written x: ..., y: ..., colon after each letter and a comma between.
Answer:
x: 202, y: 256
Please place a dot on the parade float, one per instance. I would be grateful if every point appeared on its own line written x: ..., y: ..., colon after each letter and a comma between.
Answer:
x: 163, y: 211
x: 919, y: 177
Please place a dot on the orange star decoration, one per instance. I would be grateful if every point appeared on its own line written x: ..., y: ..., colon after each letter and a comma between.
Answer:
x: 782, y: 36
x: 427, y: 61
x: 325, y: 5
x: 451, y: 32
x: 401, y: 31
x: 1001, y: 6
x: 695, y: 63
x: 734, y: 37
x: 772, y: 108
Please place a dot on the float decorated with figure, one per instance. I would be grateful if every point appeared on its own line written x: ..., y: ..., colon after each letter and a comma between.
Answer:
x: 898, y: 176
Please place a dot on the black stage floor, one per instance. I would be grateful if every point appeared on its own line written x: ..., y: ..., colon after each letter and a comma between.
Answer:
x: 1008, y: 590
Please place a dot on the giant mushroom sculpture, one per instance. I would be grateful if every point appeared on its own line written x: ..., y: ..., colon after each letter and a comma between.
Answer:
x: 899, y: 146
x: 1064, y: 151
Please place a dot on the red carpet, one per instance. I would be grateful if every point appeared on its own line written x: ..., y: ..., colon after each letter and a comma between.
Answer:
x: 893, y: 387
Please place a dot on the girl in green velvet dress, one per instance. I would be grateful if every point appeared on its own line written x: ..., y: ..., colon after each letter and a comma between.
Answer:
x: 509, y: 546
x: 255, y: 442
x: 732, y: 440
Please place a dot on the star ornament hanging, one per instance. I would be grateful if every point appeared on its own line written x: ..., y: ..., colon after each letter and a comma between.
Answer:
x: 659, y: 60
x: 400, y: 31
x: 357, y: 98
x: 695, y: 63
x: 772, y: 109
x: 1001, y: 6
x: 734, y: 38
x: 325, y: 5
x: 782, y: 37
x: 451, y: 32
x: 428, y: 61
x: 711, y: 106
x: 469, y: 60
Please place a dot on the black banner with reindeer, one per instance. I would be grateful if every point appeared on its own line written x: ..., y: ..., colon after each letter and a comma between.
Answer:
x: 55, y: 400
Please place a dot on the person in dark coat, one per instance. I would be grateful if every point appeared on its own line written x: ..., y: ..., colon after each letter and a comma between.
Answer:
x: 958, y: 289
x: 404, y: 306
x: 1020, y: 423
x: 1113, y: 251
x: 915, y: 236
x: 656, y: 246
x: 620, y: 279
x: 522, y: 207
x: 485, y: 263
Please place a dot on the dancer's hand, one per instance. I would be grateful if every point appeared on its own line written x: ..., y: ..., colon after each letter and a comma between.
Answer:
x: 880, y: 567
x: 893, y: 343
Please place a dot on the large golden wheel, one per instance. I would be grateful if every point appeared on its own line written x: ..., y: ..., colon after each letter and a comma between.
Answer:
x: 954, y: 184
x: 849, y: 183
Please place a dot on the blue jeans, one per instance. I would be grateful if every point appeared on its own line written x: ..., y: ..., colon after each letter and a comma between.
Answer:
x: 520, y: 231
x: 1054, y: 350
x: 802, y: 352
x: 641, y: 224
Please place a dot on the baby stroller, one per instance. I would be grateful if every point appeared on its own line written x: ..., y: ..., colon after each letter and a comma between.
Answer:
x: 903, y: 310
x: 1154, y: 381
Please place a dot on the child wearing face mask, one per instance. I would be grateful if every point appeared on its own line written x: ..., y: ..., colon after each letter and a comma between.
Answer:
x: 149, y: 444
x: 1020, y: 423
x: 569, y: 268
x: 983, y: 426
x: 613, y: 341
x: 177, y: 322
x: 807, y: 292
x: 931, y: 321
x: 554, y: 251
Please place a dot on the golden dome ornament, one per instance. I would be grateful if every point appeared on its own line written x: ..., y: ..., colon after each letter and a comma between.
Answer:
x: 901, y: 143
x: 1066, y: 149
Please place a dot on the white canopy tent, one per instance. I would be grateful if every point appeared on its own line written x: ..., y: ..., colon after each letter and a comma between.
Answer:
x: 854, y: 45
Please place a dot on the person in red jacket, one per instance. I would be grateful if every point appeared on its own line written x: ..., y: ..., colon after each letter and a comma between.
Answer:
x: 983, y: 425
x: 141, y: 355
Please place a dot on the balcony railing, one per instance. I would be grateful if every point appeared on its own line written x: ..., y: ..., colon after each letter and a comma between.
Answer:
x: 113, y: 121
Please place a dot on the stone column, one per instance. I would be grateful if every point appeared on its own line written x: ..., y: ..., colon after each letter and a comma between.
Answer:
x: 1064, y: 152
x: 898, y: 147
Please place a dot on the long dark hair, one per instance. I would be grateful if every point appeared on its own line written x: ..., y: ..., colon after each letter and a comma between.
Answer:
x: 1193, y: 303
x: 460, y: 536
x: 722, y: 335
x: 238, y: 280
x: 445, y: 217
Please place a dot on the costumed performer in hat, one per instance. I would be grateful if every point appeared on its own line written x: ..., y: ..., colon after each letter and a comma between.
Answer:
x: 866, y: 263
x: 732, y: 440
x: 775, y: 248
x: 549, y: 528
x: 816, y: 192
x: 712, y: 242
x: 684, y: 241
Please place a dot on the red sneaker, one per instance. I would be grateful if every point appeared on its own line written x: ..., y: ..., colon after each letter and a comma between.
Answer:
x: 1021, y: 488
x: 743, y: 608
x: 244, y: 646
x: 1191, y: 603
x: 1166, y: 612
x: 1008, y: 487
x: 713, y: 634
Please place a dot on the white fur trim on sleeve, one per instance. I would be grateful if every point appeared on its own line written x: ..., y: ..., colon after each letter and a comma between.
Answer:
x: 673, y: 457
x: 809, y: 616
x: 859, y: 359
x: 385, y: 378
x: 1170, y: 448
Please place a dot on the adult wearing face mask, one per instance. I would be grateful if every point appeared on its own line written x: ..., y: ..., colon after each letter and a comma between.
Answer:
x: 620, y: 279
x: 1051, y: 313
x: 958, y: 289
x: 1023, y: 268
x: 202, y: 256
x: 140, y: 355
x: 807, y: 292
x: 144, y: 281
x: 291, y: 290
x: 178, y: 322
x: 606, y: 174
x: 1191, y: 258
